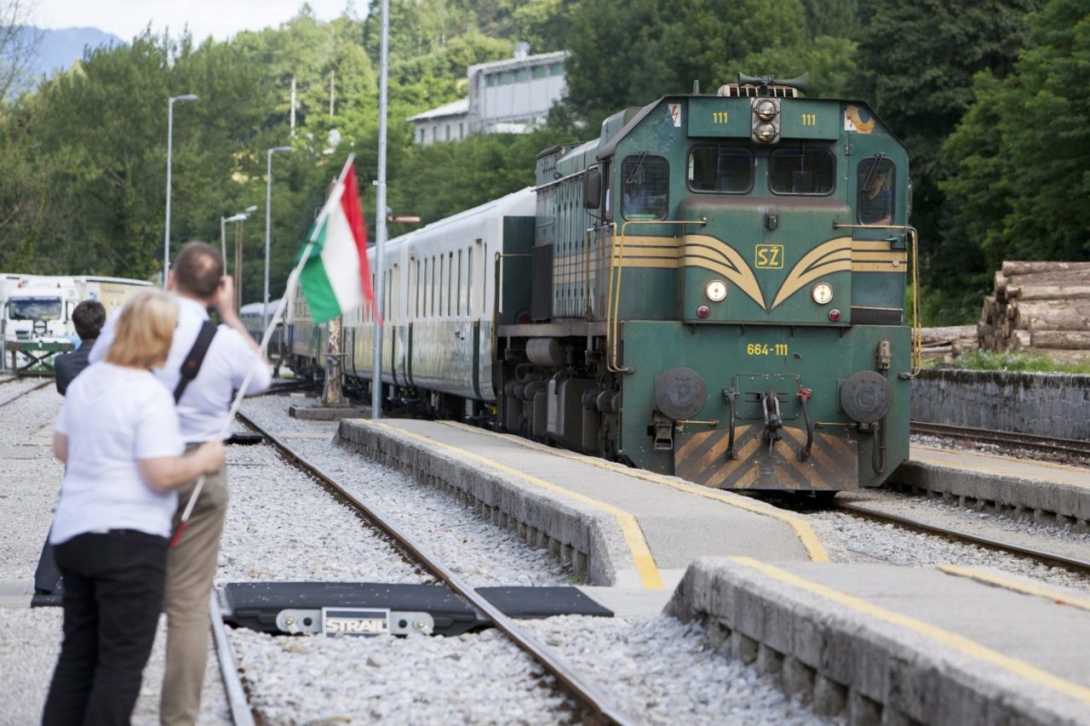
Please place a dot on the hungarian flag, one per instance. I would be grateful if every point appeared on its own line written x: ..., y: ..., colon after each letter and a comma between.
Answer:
x: 336, y: 277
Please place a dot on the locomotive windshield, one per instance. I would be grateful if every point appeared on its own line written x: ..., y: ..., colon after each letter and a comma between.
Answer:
x: 35, y: 308
x: 645, y: 186
x: 875, y: 188
x: 721, y: 168
x: 802, y: 170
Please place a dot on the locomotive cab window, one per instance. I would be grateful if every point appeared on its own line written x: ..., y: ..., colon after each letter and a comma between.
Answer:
x: 645, y: 186
x: 718, y: 168
x: 802, y: 171
x: 874, y: 182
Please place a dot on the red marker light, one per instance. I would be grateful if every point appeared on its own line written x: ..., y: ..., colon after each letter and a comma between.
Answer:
x: 702, y: 311
x: 834, y: 315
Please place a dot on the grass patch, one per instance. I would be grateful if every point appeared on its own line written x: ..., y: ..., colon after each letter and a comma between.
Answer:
x: 1017, y: 362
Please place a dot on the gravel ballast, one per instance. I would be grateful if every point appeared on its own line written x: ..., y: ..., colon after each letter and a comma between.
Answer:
x: 283, y: 527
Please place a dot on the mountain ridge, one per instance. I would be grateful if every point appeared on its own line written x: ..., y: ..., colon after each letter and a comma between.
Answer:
x: 58, y: 49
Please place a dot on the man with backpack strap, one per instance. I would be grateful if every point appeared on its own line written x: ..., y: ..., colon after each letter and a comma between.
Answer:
x: 203, y: 396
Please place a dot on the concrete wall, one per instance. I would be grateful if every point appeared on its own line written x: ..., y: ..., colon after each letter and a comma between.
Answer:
x: 1045, y: 404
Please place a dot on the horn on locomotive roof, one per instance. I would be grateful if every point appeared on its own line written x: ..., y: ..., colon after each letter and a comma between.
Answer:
x: 800, y: 84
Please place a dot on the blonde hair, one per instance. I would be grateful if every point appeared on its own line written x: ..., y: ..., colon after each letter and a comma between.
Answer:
x: 144, y: 330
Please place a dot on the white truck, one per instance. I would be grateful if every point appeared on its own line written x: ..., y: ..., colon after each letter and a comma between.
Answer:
x: 38, y: 314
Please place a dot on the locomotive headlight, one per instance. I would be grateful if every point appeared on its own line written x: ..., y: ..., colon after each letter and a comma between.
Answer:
x: 765, y: 133
x: 822, y: 293
x: 716, y: 290
x: 765, y: 110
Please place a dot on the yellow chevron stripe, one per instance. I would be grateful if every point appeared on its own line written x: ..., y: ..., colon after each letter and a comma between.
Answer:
x: 832, y: 256
x: 734, y: 266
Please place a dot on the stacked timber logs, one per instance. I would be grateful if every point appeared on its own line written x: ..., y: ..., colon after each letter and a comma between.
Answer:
x: 947, y: 343
x: 1042, y: 307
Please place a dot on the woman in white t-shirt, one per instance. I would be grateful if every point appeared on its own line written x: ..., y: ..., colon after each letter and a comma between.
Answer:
x: 118, y: 435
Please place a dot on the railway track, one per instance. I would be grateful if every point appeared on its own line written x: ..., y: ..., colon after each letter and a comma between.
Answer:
x: 1079, y: 566
x: 12, y: 389
x: 1026, y: 442
x: 592, y: 701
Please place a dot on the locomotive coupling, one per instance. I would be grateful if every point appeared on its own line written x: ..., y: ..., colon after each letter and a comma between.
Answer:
x: 773, y: 418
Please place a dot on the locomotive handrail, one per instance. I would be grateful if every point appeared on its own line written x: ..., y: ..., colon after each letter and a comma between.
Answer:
x: 589, y: 311
x: 496, y: 290
x: 613, y: 298
x: 917, y: 330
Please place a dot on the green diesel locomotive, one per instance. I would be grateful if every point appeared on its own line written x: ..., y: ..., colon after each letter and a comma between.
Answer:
x: 715, y: 288
x: 718, y: 291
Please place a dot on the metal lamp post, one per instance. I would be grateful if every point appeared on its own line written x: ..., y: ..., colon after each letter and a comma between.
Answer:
x: 170, y: 144
x: 223, y: 232
x: 240, y: 217
x: 268, y: 217
x: 223, y: 229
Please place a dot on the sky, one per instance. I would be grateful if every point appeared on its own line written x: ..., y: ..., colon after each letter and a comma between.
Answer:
x: 219, y: 18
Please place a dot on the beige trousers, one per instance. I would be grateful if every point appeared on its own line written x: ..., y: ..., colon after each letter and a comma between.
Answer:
x: 191, y: 567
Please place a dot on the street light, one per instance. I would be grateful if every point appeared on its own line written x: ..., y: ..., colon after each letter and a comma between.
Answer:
x: 170, y: 143
x: 223, y: 233
x: 241, y: 216
x: 268, y: 218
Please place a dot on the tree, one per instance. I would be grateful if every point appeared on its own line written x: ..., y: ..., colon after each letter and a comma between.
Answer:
x: 17, y: 43
x: 917, y: 60
x: 632, y: 53
x: 1022, y: 153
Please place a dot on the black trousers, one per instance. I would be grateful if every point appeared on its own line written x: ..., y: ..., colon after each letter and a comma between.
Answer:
x: 113, y: 593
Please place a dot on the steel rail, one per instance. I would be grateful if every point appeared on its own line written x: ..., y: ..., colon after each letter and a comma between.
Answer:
x: 19, y: 395
x: 1031, y: 441
x: 237, y: 703
x: 1049, y: 558
x: 589, y: 695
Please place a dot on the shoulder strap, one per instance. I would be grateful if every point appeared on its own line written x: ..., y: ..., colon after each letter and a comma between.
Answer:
x: 195, y: 358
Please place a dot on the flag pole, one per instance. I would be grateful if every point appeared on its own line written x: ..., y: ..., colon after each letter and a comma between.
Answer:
x: 380, y: 215
x: 293, y: 280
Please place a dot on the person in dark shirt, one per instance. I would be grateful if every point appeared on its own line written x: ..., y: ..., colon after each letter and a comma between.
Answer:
x: 876, y: 204
x: 88, y: 317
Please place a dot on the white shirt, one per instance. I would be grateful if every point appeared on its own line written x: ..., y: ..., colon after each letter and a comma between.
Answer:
x: 206, y: 401
x: 113, y: 417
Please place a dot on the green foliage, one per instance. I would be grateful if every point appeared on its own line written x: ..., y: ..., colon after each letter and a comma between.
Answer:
x: 1018, y: 362
x: 83, y: 160
x: 941, y: 307
x: 651, y: 48
x: 468, y: 173
x: 1022, y: 153
x: 917, y: 60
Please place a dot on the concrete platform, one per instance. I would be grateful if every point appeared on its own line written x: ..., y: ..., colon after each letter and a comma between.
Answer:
x: 894, y: 645
x: 616, y: 526
x: 1047, y: 493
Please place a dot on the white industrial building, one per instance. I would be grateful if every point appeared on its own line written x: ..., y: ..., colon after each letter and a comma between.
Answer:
x: 509, y: 96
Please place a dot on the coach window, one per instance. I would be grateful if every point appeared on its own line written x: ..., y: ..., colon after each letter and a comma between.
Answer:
x: 875, y: 190
x: 802, y: 170
x: 645, y: 186
x: 414, y: 290
x: 460, y: 288
x: 720, y: 168
x: 450, y: 285
x: 471, y: 274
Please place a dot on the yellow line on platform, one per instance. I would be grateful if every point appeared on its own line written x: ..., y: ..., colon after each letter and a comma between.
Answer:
x: 802, y: 529
x: 951, y: 640
x: 642, y: 559
x: 1003, y: 471
x: 1024, y: 588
